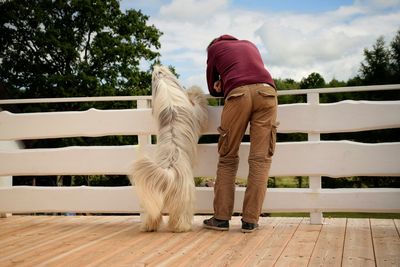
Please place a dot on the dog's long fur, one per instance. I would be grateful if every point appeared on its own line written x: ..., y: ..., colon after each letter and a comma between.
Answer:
x: 167, y: 181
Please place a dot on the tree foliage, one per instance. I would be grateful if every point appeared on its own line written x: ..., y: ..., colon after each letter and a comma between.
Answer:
x: 375, y: 68
x: 314, y: 80
x: 395, y: 58
x: 68, y: 48
x: 75, y: 48
x: 381, y: 64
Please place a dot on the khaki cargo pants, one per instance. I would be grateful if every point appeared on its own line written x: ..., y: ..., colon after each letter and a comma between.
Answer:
x: 257, y: 104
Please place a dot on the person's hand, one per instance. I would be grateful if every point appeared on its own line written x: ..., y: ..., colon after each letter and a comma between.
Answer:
x: 218, y: 86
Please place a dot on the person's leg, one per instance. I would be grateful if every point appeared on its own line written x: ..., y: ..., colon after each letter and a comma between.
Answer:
x: 234, y: 121
x: 262, y: 146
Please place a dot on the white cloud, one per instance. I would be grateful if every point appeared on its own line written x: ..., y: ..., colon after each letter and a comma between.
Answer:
x: 292, y: 44
x: 333, y: 45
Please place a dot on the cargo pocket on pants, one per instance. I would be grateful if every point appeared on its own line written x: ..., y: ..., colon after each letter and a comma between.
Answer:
x: 223, y: 141
x: 272, y: 142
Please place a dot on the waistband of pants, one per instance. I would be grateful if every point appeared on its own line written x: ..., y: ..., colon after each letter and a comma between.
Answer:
x: 252, y: 85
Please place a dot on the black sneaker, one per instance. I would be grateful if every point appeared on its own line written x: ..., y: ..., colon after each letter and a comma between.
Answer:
x: 248, y: 227
x: 215, y: 224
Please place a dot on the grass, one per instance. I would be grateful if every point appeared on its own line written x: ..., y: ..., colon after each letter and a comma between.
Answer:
x: 273, y: 182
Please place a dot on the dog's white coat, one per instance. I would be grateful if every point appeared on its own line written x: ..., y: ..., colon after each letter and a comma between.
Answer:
x: 167, y: 182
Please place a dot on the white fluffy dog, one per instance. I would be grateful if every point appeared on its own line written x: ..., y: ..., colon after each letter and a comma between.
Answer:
x: 167, y: 182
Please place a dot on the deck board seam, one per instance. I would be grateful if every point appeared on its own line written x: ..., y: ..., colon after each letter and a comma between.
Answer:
x: 315, y: 244
x: 372, y: 240
x: 284, y: 247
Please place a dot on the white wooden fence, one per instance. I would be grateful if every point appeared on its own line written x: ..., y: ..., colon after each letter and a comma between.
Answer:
x: 313, y: 158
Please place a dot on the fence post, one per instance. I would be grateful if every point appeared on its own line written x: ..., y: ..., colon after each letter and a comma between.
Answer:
x: 6, y: 181
x: 143, y: 139
x: 314, y: 181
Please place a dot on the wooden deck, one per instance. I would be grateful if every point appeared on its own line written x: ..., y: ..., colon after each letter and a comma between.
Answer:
x: 117, y: 241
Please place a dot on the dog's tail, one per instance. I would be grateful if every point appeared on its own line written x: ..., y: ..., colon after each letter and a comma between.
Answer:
x: 151, y: 182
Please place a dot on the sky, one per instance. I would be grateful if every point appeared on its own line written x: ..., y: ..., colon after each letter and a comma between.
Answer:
x: 295, y: 37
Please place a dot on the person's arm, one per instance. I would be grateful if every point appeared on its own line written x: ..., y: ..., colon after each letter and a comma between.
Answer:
x: 218, y: 86
x: 212, y: 78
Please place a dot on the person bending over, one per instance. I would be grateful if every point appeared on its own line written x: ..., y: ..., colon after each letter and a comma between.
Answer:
x: 235, y: 71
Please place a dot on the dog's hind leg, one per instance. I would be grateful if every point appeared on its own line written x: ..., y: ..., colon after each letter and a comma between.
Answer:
x: 180, y: 218
x: 152, y: 212
x: 180, y: 206
x: 150, y: 223
x: 150, y: 182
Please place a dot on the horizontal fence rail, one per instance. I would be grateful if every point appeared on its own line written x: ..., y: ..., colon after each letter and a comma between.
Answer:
x: 21, y: 199
x: 313, y: 158
x: 345, y: 116
x: 324, y: 158
x: 135, y: 98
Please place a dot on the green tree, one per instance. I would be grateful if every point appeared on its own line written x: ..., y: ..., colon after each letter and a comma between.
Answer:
x: 375, y: 68
x: 336, y: 83
x: 328, y: 98
x: 314, y: 80
x: 395, y: 58
x: 288, y: 84
x: 75, y: 48
x: 68, y: 48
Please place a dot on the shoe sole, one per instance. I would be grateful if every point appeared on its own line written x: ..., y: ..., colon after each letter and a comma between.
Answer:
x: 216, y: 228
x: 248, y: 230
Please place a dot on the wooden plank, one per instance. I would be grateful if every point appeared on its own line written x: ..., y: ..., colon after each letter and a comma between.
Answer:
x: 223, y: 248
x: 240, y: 246
x: 22, y: 199
x: 358, y: 249
x: 327, y: 118
x: 90, y: 123
x: 77, y: 99
x: 14, y: 226
x: 273, y: 243
x: 14, y: 223
x: 23, y: 229
x: 59, y: 226
x: 315, y: 158
x: 104, y: 247
x: 134, y: 98
x: 386, y: 242
x: 244, y: 250
x: 117, y: 241
x: 63, y: 243
x: 69, y: 160
x: 123, y: 199
x: 178, y: 249
x: 199, y: 254
x: 299, y: 249
x: 150, y: 246
x: 397, y: 223
x: 308, y: 159
x: 329, y: 248
x: 340, y: 89
x: 35, y: 237
x: 157, y: 249
x: 323, y: 118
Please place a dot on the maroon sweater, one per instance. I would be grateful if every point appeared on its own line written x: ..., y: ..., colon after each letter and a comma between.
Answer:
x: 236, y: 63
